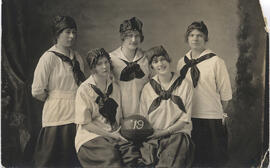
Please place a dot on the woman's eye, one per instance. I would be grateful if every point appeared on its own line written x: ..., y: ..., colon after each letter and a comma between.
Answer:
x: 155, y: 61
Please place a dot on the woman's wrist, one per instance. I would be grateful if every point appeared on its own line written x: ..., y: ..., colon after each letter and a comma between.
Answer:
x: 169, y: 130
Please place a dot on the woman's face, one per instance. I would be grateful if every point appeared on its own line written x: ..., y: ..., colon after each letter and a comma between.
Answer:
x: 132, y: 40
x: 67, y: 37
x: 196, y: 40
x: 102, y: 67
x: 160, y: 65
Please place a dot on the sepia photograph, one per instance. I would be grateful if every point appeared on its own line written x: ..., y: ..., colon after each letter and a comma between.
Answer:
x: 134, y: 83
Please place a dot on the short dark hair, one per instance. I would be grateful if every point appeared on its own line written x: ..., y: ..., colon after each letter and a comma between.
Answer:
x: 61, y: 23
x: 197, y: 26
x: 94, y: 55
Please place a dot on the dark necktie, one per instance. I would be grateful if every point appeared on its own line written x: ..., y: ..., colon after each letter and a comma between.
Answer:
x: 107, y: 106
x: 131, y: 71
x: 77, y: 73
x: 166, y: 95
x: 194, y: 71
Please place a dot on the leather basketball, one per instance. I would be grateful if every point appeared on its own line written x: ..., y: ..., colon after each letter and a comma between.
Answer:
x: 136, y: 128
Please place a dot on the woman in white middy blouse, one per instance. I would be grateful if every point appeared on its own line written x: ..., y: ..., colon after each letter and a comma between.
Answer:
x: 98, y: 114
x: 212, y: 91
x: 166, y: 103
x: 56, y: 80
x: 130, y: 65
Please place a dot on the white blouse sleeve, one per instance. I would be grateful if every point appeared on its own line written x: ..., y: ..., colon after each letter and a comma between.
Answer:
x: 119, y: 114
x: 83, y: 106
x: 188, y: 100
x: 41, y: 77
x: 143, y: 103
x: 223, y: 80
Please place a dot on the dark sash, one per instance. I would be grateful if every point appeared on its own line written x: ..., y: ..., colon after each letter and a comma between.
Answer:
x: 166, y: 94
x: 77, y: 73
x: 131, y: 71
x: 107, y: 106
x: 194, y: 71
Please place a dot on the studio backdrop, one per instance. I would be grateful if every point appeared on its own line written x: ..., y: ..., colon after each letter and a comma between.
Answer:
x: 236, y: 33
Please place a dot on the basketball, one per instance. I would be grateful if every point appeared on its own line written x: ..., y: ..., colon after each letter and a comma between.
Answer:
x: 136, y: 128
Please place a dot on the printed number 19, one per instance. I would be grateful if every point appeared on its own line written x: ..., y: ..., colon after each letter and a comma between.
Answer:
x: 138, y: 124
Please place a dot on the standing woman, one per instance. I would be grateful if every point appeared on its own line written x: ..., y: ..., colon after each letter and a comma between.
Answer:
x: 130, y: 65
x: 56, y: 80
x: 212, y: 91
x: 166, y: 103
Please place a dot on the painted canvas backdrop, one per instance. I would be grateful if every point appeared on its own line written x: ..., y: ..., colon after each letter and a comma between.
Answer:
x: 27, y: 34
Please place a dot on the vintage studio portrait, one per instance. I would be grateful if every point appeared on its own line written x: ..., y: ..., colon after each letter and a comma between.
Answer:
x: 134, y: 84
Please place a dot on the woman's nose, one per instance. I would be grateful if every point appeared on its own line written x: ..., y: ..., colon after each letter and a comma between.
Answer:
x: 104, y: 66
x: 195, y: 37
x: 159, y: 63
x: 133, y: 38
x: 72, y: 35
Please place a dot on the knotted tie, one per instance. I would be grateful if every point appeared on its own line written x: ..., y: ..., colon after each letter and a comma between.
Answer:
x: 194, y: 71
x: 107, y: 106
x: 77, y: 73
x: 166, y: 95
x: 131, y: 71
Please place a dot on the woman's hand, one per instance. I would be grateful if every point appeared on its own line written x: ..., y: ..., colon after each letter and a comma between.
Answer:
x: 159, y: 133
x: 117, y: 135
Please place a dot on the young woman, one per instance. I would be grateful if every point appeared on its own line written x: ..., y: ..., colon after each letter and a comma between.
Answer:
x: 130, y: 65
x: 56, y: 79
x: 98, y: 114
x: 166, y: 103
x: 212, y: 91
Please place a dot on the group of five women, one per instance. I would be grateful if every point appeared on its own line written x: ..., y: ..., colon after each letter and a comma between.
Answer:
x: 82, y: 117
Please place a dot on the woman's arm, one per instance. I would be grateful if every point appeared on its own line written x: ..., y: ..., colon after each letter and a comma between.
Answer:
x: 224, y: 104
x: 41, y: 77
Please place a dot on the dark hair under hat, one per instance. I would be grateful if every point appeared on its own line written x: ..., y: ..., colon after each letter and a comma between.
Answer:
x: 62, y: 22
x: 93, y: 56
x: 157, y: 51
x: 199, y: 26
x: 133, y: 24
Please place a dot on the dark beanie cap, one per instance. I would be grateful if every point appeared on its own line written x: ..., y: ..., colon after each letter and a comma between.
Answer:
x: 199, y: 25
x: 157, y: 51
x: 133, y: 24
x: 62, y: 22
x: 94, y: 54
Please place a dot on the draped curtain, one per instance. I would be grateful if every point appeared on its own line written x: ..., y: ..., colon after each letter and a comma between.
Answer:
x: 20, y: 124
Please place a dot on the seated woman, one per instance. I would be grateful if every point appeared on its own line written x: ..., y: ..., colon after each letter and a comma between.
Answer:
x: 97, y: 114
x: 166, y: 103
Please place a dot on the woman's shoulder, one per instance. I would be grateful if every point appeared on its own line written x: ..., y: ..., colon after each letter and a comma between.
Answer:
x: 147, y: 87
x: 48, y: 57
x: 115, y: 52
x: 217, y: 60
x: 85, y: 87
